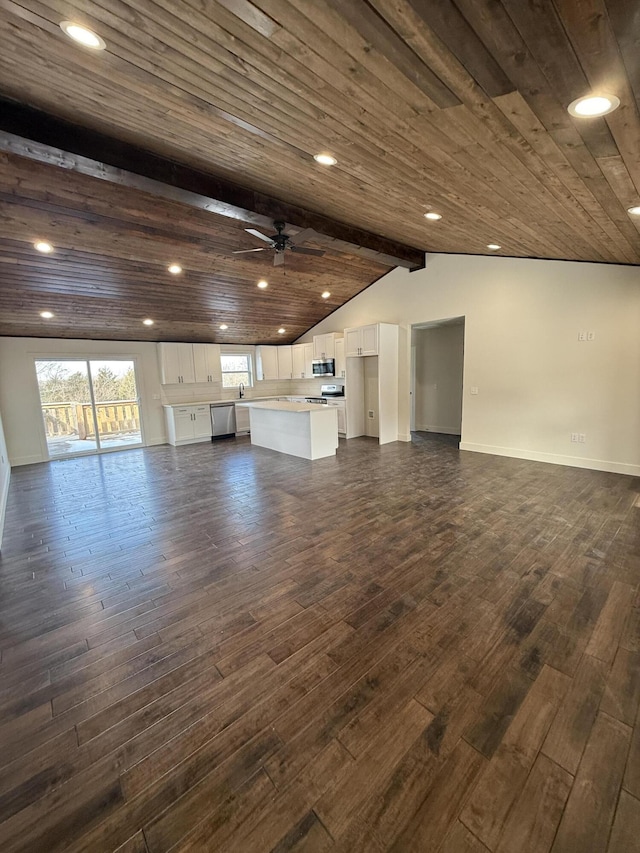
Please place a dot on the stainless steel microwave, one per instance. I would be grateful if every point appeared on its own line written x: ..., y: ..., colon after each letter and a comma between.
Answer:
x: 324, y: 366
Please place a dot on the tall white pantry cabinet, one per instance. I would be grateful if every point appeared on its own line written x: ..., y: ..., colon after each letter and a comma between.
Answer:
x: 379, y: 341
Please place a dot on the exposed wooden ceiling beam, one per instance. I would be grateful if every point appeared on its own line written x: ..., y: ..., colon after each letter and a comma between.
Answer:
x: 39, y: 136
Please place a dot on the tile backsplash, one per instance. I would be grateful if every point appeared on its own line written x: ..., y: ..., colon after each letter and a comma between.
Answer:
x: 213, y: 391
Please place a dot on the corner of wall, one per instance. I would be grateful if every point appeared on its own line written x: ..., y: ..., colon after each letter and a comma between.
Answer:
x: 5, y: 476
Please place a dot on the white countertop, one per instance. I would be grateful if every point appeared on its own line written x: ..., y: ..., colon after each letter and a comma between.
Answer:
x: 231, y: 402
x: 282, y: 406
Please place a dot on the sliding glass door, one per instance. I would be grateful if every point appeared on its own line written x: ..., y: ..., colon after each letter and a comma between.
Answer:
x: 88, y: 405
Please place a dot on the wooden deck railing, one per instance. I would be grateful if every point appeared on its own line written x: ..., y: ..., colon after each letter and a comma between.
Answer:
x: 121, y: 416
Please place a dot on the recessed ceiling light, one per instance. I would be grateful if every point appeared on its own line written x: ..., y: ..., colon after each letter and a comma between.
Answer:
x: 493, y: 246
x: 47, y: 315
x: 262, y: 284
x: 326, y: 294
x: 433, y: 215
x: 325, y: 159
x: 147, y: 322
x: 281, y: 331
x: 43, y: 246
x: 83, y: 35
x: 634, y: 211
x: 175, y: 269
x: 224, y: 326
x: 593, y: 105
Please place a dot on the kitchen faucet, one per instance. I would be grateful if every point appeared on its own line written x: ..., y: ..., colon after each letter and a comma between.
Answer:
x: 241, y: 390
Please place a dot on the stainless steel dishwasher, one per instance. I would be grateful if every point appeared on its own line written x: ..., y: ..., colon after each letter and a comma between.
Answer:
x: 223, y: 421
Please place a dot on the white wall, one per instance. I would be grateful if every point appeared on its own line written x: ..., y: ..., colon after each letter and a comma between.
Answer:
x: 5, y: 474
x: 537, y: 383
x: 20, y: 400
x: 438, y: 379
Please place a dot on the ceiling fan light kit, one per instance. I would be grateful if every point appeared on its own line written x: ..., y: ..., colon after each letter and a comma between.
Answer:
x: 281, y: 242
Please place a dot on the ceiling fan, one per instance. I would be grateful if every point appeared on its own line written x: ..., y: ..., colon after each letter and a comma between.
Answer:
x: 281, y: 242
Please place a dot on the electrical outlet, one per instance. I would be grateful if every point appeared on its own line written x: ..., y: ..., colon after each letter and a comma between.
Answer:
x: 371, y: 413
x: 474, y: 389
x: 591, y: 336
x: 574, y: 436
x: 582, y: 438
x: 582, y: 336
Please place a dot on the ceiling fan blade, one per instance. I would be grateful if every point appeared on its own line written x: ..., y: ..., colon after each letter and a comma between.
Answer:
x: 246, y: 251
x: 278, y: 259
x: 302, y: 251
x: 301, y: 236
x: 259, y: 235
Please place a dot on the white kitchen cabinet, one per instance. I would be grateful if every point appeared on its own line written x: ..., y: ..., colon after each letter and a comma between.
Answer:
x: 341, y: 364
x: 341, y: 409
x: 206, y: 363
x: 188, y: 424
x: 266, y: 362
x: 324, y: 346
x: 243, y: 419
x: 361, y: 341
x: 302, y: 361
x: 188, y: 363
x: 372, y: 383
x: 285, y: 362
x: 176, y: 363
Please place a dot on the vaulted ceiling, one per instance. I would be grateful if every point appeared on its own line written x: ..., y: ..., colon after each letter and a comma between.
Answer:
x: 200, y: 120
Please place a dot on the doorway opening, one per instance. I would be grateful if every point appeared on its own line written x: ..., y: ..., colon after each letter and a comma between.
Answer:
x: 437, y: 370
x: 88, y: 405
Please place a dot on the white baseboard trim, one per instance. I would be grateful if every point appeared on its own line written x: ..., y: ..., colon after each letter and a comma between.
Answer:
x: 404, y: 436
x: 554, y: 458
x: 443, y: 430
x: 27, y: 460
x: 153, y: 442
x: 3, y: 504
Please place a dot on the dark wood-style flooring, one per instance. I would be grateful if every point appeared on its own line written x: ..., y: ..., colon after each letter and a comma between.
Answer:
x: 406, y: 648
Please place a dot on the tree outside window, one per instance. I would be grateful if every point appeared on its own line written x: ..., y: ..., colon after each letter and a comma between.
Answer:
x: 236, y: 368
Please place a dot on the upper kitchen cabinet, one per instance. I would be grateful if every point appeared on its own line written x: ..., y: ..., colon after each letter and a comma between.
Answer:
x: 341, y: 363
x: 361, y: 341
x: 324, y: 346
x: 176, y: 363
x: 266, y: 362
x: 302, y: 358
x: 285, y: 362
x: 206, y: 362
x: 188, y: 363
x: 274, y: 362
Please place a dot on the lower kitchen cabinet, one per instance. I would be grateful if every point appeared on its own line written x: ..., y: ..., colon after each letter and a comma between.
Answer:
x: 188, y: 424
x: 342, y: 415
x: 243, y: 420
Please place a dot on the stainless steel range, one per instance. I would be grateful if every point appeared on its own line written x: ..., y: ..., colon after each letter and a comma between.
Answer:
x: 327, y: 392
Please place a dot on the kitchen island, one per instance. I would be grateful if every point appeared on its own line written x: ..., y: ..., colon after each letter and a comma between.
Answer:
x: 307, y: 430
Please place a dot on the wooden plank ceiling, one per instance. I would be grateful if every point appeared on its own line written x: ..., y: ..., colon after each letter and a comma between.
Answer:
x: 457, y: 107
